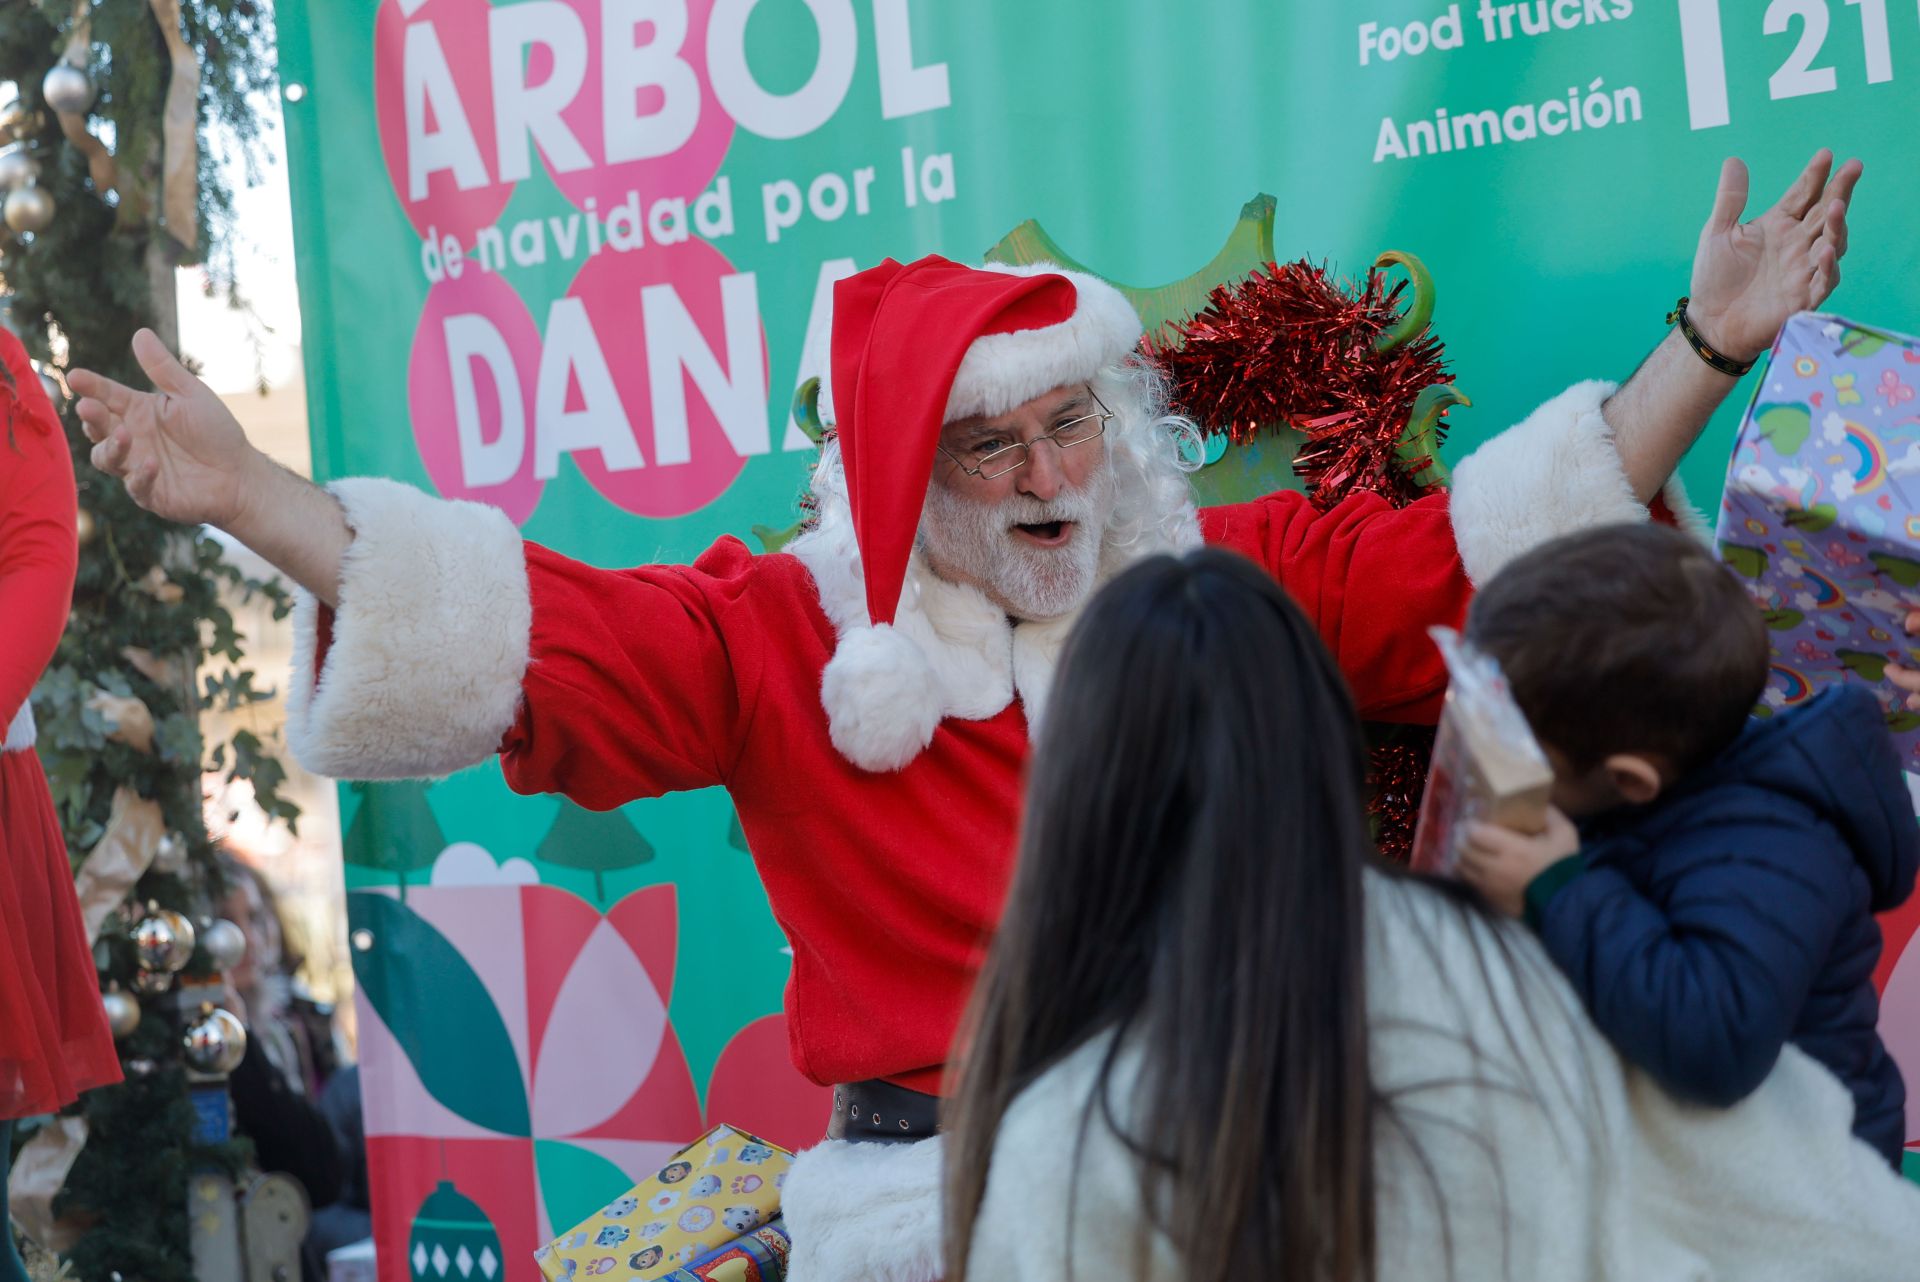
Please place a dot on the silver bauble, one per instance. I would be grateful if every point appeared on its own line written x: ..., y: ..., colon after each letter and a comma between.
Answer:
x: 149, y: 982
x: 164, y: 940
x: 216, y: 1042
x: 17, y: 166
x: 170, y: 853
x: 15, y: 119
x: 225, y: 943
x: 29, y: 209
x: 123, y: 1012
x: 67, y: 88
x: 55, y: 393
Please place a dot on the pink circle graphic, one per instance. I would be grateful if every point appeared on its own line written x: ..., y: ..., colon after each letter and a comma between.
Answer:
x: 665, y: 85
x: 609, y: 287
x: 442, y: 50
x: 476, y: 355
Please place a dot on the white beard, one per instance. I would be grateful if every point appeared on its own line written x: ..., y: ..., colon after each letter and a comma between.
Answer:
x: 977, y: 540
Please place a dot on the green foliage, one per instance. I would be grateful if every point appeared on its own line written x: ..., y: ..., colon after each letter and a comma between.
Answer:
x: 79, y: 290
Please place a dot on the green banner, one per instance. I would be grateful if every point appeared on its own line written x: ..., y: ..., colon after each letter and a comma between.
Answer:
x: 571, y: 257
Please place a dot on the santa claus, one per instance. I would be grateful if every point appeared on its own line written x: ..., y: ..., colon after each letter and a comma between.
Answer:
x: 867, y: 695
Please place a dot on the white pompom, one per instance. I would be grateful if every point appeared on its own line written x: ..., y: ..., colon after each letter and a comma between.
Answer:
x: 881, y: 699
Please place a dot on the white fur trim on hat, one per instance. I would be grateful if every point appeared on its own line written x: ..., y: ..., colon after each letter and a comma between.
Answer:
x: 1001, y: 371
x: 882, y: 702
x: 430, y: 639
x: 1556, y: 472
x: 864, y: 1212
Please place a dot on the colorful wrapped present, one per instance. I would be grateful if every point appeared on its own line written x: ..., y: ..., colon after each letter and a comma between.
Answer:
x: 1820, y: 518
x: 759, y: 1256
x: 1487, y: 766
x: 722, y: 1187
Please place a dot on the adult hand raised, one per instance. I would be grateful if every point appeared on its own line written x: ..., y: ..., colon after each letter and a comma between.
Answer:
x: 179, y: 449
x: 1749, y: 277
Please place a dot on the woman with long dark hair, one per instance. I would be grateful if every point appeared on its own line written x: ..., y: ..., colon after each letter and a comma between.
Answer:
x: 1215, y: 1039
x: 54, y: 1041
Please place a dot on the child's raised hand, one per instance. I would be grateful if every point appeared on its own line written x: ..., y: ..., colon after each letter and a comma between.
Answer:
x: 1501, y: 863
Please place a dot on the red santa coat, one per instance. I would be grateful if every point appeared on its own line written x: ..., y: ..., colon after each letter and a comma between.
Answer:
x: 613, y: 685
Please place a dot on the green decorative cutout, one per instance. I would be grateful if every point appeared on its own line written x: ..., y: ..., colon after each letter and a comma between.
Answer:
x: 806, y: 411
x: 1785, y: 426
x: 597, y: 841
x: 1265, y: 464
x: 1814, y: 520
x: 439, y: 1012
x: 394, y: 830
x: 576, y: 1182
x: 1910, y: 1164
x: 1419, y: 313
x: 1249, y: 247
x: 772, y: 540
x: 736, y: 835
x: 1751, y: 562
x: 1902, y: 570
x: 1784, y: 620
x: 1422, y: 437
x: 1871, y: 666
x: 1903, y: 721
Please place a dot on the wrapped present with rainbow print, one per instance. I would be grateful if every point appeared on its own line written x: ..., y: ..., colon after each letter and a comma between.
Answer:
x: 1821, y: 513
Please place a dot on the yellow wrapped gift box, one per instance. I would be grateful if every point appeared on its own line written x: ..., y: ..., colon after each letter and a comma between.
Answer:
x: 722, y: 1185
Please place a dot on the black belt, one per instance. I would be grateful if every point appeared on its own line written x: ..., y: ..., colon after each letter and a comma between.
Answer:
x: 879, y: 1112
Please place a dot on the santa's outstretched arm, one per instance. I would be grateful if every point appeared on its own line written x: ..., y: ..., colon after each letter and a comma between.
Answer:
x: 1748, y: 278
x: 185, y: 457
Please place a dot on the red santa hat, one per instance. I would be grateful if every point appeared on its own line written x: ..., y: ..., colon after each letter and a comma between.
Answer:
x: 915, y: 347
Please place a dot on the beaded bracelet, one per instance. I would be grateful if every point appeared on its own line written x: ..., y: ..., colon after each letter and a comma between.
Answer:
x: 1723, y: 363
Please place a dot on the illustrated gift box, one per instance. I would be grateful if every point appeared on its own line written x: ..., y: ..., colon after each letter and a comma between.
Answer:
x: 722, y: 1187
x: 1821, y: 514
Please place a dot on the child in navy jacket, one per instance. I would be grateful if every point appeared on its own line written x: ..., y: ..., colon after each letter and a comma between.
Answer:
x: 1716, y: 900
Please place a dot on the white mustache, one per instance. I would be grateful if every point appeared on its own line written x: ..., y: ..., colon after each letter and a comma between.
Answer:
x: 1075, y: 505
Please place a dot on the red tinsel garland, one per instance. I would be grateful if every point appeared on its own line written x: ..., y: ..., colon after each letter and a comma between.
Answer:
x: 1290, y: 346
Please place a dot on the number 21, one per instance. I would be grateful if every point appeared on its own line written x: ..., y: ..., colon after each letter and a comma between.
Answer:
x: 1704, y: 53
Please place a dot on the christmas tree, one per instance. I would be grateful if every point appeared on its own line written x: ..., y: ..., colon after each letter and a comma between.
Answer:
x: 109, y: 186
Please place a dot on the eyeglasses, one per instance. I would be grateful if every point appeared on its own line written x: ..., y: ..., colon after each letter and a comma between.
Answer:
x: 997, y: 462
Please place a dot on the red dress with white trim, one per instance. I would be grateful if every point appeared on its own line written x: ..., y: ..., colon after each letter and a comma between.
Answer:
x: 54, y: 1041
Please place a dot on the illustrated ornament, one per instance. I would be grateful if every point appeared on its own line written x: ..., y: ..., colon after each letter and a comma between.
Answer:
x: 216, y: 1042
x: 164, y: 940
x: 225, y: 943
x: 67, y: 88
x: 123, y: 1012
x: 29, y: 209
x: 450, y: 1227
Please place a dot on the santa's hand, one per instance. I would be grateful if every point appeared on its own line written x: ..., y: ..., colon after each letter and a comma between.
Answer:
x: 1501, y: 863
x: 179, y: 449
x: 1749, y: 277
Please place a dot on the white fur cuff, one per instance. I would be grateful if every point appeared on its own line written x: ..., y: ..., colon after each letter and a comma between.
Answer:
x: 429, y: 643
x: 864, y: 1212
x: 1555, y: 473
